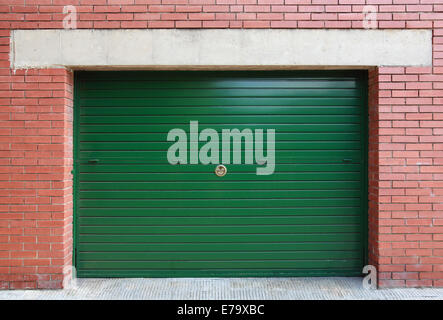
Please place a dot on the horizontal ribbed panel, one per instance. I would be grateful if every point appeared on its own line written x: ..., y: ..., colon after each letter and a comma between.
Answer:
x: 137, y: 215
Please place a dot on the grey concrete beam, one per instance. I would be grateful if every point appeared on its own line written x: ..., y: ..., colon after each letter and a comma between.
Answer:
x: 219, y: 47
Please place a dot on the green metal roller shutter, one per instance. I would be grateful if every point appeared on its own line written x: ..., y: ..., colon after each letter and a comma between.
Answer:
x: 138, y: 216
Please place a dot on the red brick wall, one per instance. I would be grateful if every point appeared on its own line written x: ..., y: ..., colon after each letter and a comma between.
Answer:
x: 405, y: 119
x: 35, y: 175
x: 410, y: 145
x: 373, y: 169
x: 220, y: 13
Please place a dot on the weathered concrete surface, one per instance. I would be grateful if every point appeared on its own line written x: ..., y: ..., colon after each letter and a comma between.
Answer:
x: 223, y: 289
x: 220, y: 47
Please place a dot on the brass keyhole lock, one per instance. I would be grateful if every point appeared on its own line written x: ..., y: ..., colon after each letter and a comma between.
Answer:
x: 220, y: 170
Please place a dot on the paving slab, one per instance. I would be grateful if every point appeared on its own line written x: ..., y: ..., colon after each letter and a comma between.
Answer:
x: 223, y: 289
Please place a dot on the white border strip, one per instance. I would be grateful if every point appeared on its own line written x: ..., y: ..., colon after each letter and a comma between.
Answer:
x: 218, y: 47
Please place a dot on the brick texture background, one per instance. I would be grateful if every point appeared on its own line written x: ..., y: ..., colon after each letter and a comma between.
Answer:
x: 405, y: 120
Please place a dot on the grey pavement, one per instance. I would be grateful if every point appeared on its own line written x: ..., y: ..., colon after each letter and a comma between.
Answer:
x: 223, y: 289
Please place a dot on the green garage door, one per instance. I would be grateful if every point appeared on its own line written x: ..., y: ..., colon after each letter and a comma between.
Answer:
x: 139, y: 216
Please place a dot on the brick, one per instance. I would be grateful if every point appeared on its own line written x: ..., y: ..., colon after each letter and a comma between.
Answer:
x: 188, y: 24
x: 256, y: 24
x: 217, y: 24
x: 418, y: 283
x: 201, y: 16
x: 161, y: 24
